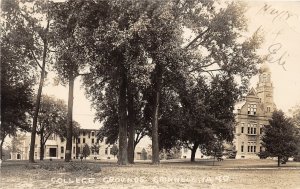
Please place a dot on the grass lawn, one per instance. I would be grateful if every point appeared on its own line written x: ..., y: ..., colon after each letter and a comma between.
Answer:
x: 170, y: 174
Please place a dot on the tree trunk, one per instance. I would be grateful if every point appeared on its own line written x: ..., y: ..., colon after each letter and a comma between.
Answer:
x: 122, y: 111
x: 37, y: 107
x: 194, y: 150
x: 42, y: 146
x: 214, y: 159
x: 157, y: 88
x: 1, y: 149
x: 68, y: 155
x: 278, y: 162
x: 131, y: 127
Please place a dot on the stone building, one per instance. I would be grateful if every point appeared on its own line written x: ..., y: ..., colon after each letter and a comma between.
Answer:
x: 55, y: 147
x: 252, y: 115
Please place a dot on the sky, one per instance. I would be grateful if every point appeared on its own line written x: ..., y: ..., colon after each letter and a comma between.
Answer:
x: 279, y: 21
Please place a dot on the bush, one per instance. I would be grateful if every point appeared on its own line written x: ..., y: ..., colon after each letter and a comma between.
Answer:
x: 297, y: 158
x: 68, y: 167
x: 263, y: 155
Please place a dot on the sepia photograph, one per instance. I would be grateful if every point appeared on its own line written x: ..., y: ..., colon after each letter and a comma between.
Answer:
x: 150, y: 94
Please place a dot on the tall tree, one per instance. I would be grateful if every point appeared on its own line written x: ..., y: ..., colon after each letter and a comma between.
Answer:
x: 17, y: 72
x: 217, y: 48
x: 279, y: 139
x: 148, y: 39
x: 69, y: 55
x: 115, y: 55
x: 33, y: 21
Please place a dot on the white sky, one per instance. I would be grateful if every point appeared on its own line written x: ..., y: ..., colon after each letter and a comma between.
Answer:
x: 281, y: 25
x: 286, y: 82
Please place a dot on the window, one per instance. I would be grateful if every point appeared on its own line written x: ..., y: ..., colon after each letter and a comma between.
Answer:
x: 106, y: 151
x: 83, y: 140
x: 93, y: 141
x: 93, y: 133
x: 260, y: 130
x: 62, y: 149
x: 242, y: 131
x: 83, y: 133
x: 254, y: 148
x: 252, y: 129
x: 251, y: 109
x: 242, y: 148
x: 78, y: 140
x: 251, y: 147
x: 248, y: 148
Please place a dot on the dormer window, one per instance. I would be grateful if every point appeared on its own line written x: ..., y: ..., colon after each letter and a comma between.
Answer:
x: 251, y: 109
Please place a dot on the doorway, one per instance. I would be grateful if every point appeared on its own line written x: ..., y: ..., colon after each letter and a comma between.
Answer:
x: 52, y: 152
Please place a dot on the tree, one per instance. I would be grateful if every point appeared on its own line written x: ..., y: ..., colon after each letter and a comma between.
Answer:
x: 95, y: 148
x: 296, y: 121
x: 16, y: 143
x: 279, y: 139
x: 17, y: 73
x: 146, y: 39
x: 86, y: 151
x: 214, y: 147
x: 51, y: 119
x: 114, y: 150
x: 117, y: 24
x: 69, y: 56
x: 109, y: 115
x: 31, y: 21
x: 144, y: 154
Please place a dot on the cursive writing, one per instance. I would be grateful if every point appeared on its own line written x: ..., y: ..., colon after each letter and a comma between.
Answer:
x: 275, y: 56
x: 277, y: 14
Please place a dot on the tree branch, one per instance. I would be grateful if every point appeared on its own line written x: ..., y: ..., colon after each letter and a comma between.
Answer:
x: 196, y: 38
x: 35, y: 58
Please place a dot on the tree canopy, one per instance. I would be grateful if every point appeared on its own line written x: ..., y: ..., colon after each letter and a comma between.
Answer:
x: 280, y: 139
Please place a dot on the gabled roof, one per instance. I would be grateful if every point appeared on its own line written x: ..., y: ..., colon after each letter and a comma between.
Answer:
x: 252, y: 92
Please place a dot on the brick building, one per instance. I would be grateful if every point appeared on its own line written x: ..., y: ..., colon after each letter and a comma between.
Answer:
x: 252, y: 115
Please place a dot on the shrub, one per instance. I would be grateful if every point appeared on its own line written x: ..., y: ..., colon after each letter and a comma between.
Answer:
x: 68, y: 167
x: 263, y: 155
x: 297, y: 158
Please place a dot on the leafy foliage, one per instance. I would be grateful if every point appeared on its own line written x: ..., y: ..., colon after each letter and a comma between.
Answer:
x: 86, y: 150
x: 17, y: 72
x: 144, y: 154
x: 114, y: 150
x: 280, y: 138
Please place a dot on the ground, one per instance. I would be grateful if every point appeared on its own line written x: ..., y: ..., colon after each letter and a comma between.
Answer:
x: 170, y: 174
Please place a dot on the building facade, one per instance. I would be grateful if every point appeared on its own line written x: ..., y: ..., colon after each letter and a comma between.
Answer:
x: 55, y: 147
x: 252, y: 115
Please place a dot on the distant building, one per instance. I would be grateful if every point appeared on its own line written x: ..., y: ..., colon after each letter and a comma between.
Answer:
x: 55, y: 147
x: 252, y: 115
